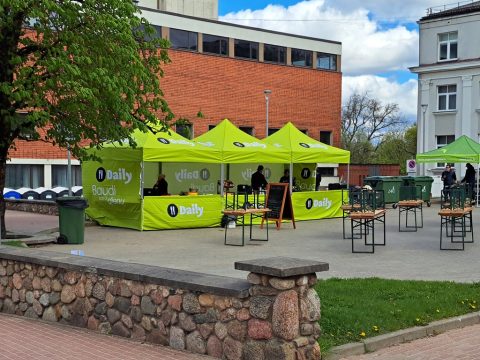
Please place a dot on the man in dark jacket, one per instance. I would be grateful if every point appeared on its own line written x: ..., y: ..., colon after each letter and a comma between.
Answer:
x: 469, y: 180
x: 449, y: 178
x: 258, y: 179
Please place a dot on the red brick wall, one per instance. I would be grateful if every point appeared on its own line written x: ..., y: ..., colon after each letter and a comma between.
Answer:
x: 222, y: 87
x: 360, y: 172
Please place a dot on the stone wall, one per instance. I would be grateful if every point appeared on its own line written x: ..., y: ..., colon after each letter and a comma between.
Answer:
x: 272, y: 316
x: 35, y: 206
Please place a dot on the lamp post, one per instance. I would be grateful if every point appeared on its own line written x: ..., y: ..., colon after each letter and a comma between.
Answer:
x: 424, y: 135
x: 267, y: 100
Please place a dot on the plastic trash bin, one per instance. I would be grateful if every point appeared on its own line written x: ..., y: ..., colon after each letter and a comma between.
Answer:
x: 46, y: 194
x: 11, y: 194
x: 390, y: 185
x: 424, y: 182
x: 28, y: 193
x: 71, y: 215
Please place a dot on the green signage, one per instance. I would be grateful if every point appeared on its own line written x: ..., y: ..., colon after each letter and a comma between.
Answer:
x: 185, y: 176
x: 304, y: 175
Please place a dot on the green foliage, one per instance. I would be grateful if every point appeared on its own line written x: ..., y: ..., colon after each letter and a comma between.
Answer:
x: 86, y: 69
x: 15, y: 243
x: 397, y: 148
x: 353, y: 309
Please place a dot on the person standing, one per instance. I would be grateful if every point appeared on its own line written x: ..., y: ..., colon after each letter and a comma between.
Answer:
x: 449, y: 178
x: 161, y: 186
x: 286, y: 177
x: 258, y: 180
x: 469, y: 179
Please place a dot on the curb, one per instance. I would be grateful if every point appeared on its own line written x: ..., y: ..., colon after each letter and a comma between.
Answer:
x: 402, y: 336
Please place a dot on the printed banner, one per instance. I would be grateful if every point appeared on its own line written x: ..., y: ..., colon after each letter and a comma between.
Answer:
x: 112, y: 189
x: 305, y: 175
x: 313, y: 205
x: 184, y: 176
x: 242, y: 173
x: 181, y: 212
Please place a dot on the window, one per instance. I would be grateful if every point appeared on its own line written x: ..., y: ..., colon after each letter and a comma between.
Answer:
x: 157, y: 32
x: 215, y: 44
x: 274, y: 54
x: 185, y: 130
x: 247, y: 129
x: 326, y: 61
x: 301, y: 57
x: 443, y: 140
x: 59, y: 175
x: 447, y: 97
x: 326, y: 137
x: 305, y: 131
x: 326, y: 171
x: 447, y: 46
x: 272, y: 131
x: 185, y: 40
x: 18, y: 176
x: 210, y: 127
x: 246, y: 49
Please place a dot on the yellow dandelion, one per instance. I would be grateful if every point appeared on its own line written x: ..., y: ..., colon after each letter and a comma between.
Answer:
x: 463, y: 302
x: 375, y: 328
x: 362, y: 334
x: 438, y: 310
x: 417, y: 319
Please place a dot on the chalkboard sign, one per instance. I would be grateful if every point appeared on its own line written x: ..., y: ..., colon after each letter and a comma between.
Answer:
x: 279, y: 202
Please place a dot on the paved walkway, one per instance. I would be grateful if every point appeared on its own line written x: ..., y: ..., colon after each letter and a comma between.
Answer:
x: 460, y: 344
x: 22, y: 338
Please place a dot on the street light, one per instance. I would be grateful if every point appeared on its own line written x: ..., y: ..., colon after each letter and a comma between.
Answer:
x: 267, y: 99
x: 424, y: 110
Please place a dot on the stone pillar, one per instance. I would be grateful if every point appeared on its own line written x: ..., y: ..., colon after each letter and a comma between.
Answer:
x: 284, y: 309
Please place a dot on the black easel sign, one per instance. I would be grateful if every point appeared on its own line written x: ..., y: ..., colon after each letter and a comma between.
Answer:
x: 279, y: 202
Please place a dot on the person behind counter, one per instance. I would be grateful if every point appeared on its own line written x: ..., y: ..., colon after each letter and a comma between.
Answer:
x: 161, y: 186
x: 258, y: 180
x: 286, y: 177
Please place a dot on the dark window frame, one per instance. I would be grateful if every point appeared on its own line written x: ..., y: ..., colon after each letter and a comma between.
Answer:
x: 279, y: 51
x: 252, y: 49
x: 191, y: 43
x: 326, y: 133
x: 332, y: 61
x: 250, y: 130
x: 303, y: 55
x: 222, y: 44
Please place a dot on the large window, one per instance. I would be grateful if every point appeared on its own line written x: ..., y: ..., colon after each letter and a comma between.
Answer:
x: 247, y: 129
x: 326, y: 137
x: 448, y: 46
x: 30, y: 176
x: 326, y: 61
x: 443, y: 140
x: 246, y: 49
x: 215, y: 44
x: 272, y: 131
x: 181, y: 39
x: 157, y: 32
x: 60, y: 173
x: 274, y: 54
x: 301, y: 57
x: 447, y: 97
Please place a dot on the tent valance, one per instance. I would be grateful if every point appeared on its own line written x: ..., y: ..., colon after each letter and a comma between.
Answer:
x: 462, y: 150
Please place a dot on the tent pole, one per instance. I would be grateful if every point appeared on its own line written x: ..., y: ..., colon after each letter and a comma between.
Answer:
x: 222, y: 177
x: 291, y: 177
x: 476, y: 195
x: 348, y: 175
x: 142, y: 179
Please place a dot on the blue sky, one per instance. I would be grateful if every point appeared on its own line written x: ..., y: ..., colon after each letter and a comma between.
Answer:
x: 379, y: 38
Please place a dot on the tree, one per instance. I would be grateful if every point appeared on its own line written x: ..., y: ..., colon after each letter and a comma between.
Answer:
x: 82, y: 70
x: 398, y: 147
x: 366, y: 117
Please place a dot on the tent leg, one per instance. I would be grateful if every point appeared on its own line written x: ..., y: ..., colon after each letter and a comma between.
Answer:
x: 222, y: 177
x: 478, y: 178
x: 142, y: 178
x: 348, y: 175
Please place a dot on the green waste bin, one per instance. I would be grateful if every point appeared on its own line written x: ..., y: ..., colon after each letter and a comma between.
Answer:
x: 424, y: 182
x: 389, y: 184
x: 71, y: 215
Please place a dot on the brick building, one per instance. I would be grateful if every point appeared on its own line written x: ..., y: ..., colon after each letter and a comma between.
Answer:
x: 222, y: 70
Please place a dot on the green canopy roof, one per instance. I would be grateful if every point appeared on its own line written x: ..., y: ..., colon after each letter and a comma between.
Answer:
x: 461, y: 150
x: 162, y: 147
x: 304, y: 149
x: 238, y: 147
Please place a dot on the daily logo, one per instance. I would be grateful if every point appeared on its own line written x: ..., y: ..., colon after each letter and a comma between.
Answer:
x: 172, y: 210
x: 114, y: 175
x: 101, y: 174
x: 238, y: 144
x: 247, y: 144
x: 163, y: 141
x: 304, y: 145
x: 194, y: 209
x: 326, y: 203
x: 306, y: 173
x: 186, y: 174
x: 313, y: 145
x: 173, y: 141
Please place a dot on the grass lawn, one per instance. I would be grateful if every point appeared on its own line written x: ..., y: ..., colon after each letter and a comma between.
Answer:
x: 15, y: 243
x: 353, y: 309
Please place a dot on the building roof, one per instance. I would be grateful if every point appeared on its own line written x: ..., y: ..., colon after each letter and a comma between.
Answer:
x: 460, y: 8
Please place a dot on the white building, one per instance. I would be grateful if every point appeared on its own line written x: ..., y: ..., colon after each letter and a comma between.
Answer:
x: 448, y: 78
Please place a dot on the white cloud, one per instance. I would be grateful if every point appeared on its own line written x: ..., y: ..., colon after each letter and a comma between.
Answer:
x: 368, y: 47
x: 385, y: 90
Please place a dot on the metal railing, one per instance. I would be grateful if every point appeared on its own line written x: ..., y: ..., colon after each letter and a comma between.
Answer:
x: 440, y: 8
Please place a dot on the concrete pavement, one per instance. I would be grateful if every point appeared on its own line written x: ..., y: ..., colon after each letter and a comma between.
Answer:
x: 413, y: 256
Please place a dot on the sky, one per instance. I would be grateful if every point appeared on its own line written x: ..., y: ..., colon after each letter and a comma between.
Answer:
x: 379, y: 38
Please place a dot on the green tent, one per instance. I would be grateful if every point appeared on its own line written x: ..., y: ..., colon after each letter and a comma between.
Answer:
x: 161, y: 147
x: 304, y: 149
x: 462, y: 150
x: 238, y: 147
